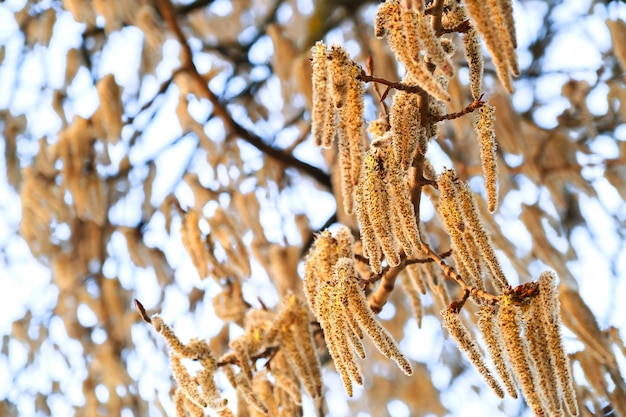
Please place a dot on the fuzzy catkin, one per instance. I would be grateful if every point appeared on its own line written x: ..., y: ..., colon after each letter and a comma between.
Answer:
x: 508, y: 323
x: 320, y: 115
x: 550, y: 313
x: 493, y: 340
x: 465, y: 341
x: 487, y: 137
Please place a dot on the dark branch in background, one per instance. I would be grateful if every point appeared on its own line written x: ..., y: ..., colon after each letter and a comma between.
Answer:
x: 169, y: 14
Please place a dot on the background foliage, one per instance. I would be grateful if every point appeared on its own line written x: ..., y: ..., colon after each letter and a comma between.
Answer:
x: 111, y: 134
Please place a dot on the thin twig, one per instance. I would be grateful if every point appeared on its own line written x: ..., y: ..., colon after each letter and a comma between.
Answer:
x: 365, y: 77
x: 449, y: 272
x: 476, y: 104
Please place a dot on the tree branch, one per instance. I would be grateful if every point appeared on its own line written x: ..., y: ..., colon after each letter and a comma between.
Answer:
x: 169, y: 15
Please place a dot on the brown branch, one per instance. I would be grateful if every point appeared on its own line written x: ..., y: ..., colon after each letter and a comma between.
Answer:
x: 366, y: 78
x: 462, y: 27
x: 385, y: 288
x: 169, y: 15
x: 436, y: 12
x: 381, y: 97
x: 269, y: 352
x: 449, y: 272
x: 476, y: 104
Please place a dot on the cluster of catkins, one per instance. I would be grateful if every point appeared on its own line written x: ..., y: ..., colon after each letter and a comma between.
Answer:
x: 334, y: 292
x: 521, y: 330
x: 523, y: 338
x: 283, y: 336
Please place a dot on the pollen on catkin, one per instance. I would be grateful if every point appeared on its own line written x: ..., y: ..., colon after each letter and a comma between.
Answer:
x: 551, y: 319
x: 339, y: 67
x: 451, y: 320
x: 413, y: 292
x: 359, y: 307
x: 493, y: 340
x: 389, y: 22
x: 377, y: 202
x: 351, y: 137
x: 487, y: 138
x: 482, y: 239
x: 320, y: 120
x: 435, y: 51
x: 539, y: 351
x: 405, y: 125
x: 483, y: 19
x: 516, y: 349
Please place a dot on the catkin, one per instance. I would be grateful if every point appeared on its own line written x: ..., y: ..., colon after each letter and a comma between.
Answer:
x: 192, y: 240
x: 405, y: 124
x: 539, y: 351
x: 389, y: 22
x: 482, y: 18
x: 359, y: 307
x: 493, y: 340
x: 550, y: 312
x: 487, y: 138
x: 508, y: 323
x: 320, y: 119
x: 481, y: 238
x: 378, y: 207
x: 452, y: 321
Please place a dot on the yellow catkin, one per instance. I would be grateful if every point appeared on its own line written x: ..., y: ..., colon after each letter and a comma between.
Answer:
x: 303, y: 332
x: 371, y: 249
x: 345, y: 168
x: 454, y: 223
x: 515, y: 347
x: 320, y: 122
x: 493, y: 340
x: 318, y: 266
x: 505, y: 18
x: 403, y: 210
x: 481, y: 238
x: 465, y: 341
x: 297, y: 361
x: 186, y: 384
x: 345, y: 242
x: 339, y: 67
x: 328, y: 322
x: 487, y: 138
x: 416, y: 276
x: 539, y: 351
x: 475, y: 61
x: 389, y: 22
x: 482, y: 18
x: 351, y: 137
x: 359, y: 307
x: 405, y: 124
x: 244, y: 388
x: 377, y: 202
x: 550, y: 312
x: 264, y: 389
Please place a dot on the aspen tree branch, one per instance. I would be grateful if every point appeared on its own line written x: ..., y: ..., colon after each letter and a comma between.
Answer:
x: 169, y: 15
x: 449, y: 272
x: 476, y: 104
